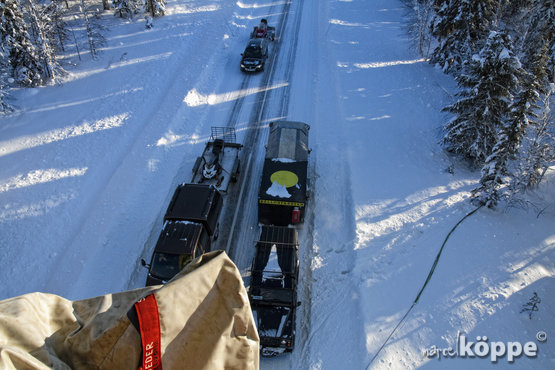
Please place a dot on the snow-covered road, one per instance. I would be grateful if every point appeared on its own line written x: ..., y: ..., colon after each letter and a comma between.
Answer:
x: 87, y: 169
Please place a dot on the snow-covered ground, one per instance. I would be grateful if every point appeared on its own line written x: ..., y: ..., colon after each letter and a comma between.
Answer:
x: 88, y: 167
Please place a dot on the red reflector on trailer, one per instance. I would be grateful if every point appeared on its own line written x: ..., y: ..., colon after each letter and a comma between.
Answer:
x: 296, y: 215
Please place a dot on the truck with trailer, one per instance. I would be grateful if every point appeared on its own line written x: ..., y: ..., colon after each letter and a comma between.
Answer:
x: 283, y: 191
x: 219, y: 163
x: 190, y: 225
x: 282, y: 198
x: 273, y: 289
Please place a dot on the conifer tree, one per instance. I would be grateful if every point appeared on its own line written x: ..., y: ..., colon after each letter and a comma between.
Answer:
x: 502, y: 121
x: 459, y: 26
x: 126, y: 8
x: 56, y: 27
x: 541, y: 32
x: 24, y: 57
x: 42, y: 25
x: 94, y: 37
x: 488, y: 86
x: 156, y: 8
x: 523, y: 126
x: 522, y: 113
x: 5, y: 107
x: 538, y: 152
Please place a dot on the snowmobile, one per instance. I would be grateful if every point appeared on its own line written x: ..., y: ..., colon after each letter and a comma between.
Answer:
x: 219, y: 163
x: 263, y: 31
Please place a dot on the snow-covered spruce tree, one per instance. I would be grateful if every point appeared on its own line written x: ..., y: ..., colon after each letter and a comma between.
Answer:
x: 42, y: 26
x: 523, y: 112
x: 538, y: 151
x: 537, y: 148
x: 541, y: 31
x: 516, y: 15
x: 5, y: 107
x: 126, y: 8
x: 157, y: 8
x: 25, y: 61
x: 94, y: 37
x: 88, y: 28
x: 56, y: 27
x: 459, y: 27
x: 512, y: 8
x: 487, y: 88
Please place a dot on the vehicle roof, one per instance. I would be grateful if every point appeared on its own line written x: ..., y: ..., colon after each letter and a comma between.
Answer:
x: 288, y: 139
x: 196, y: 202
x: 256, y: 43
x: 178, y: 237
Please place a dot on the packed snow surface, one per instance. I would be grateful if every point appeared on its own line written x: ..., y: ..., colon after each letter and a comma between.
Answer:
x: 88, y: 166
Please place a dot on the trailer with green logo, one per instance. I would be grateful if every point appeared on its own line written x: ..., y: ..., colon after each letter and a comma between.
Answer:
x: 283, y: 191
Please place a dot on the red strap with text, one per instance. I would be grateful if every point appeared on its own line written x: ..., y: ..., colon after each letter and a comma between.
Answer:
x: 149, y: 322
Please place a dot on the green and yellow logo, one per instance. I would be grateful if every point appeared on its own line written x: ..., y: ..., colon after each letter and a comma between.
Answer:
x: 284, y: 178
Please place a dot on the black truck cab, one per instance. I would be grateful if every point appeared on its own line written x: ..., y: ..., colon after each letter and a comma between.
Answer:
x: 190, y: 225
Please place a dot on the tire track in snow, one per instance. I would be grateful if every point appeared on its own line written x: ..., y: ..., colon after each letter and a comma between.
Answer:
x: 238, y: 105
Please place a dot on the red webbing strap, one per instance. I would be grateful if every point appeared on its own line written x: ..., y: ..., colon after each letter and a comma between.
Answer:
x: 149, y: 322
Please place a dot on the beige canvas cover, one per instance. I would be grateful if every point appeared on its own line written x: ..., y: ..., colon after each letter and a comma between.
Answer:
x: 205, y: 323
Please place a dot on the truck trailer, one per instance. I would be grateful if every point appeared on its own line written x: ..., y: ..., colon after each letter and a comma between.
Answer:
x: 283, y: 191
